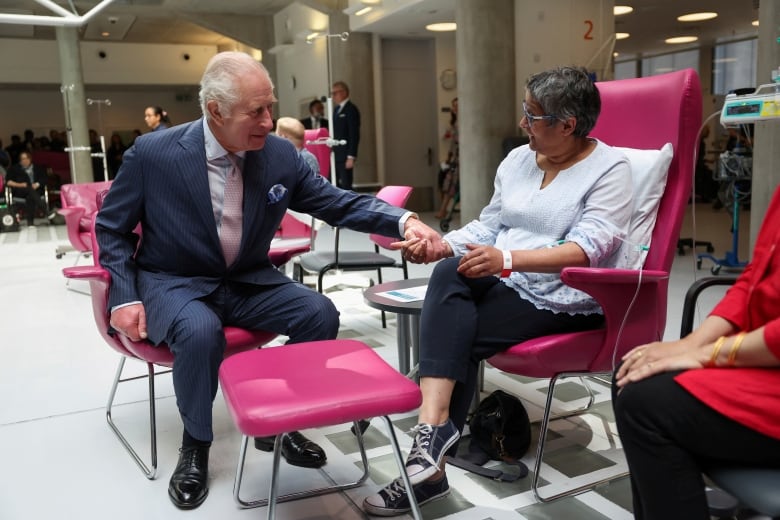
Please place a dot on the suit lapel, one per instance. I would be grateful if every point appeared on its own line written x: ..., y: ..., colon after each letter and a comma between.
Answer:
x: 194, y: 175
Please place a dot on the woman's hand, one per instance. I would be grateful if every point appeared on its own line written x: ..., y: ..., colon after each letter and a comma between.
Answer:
x: 653, y: 358
x: 481, y: 261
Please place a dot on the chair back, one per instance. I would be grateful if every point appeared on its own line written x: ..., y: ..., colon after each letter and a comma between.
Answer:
x: 397, y: 196
x: 320, y: 151
x: 646, y: 113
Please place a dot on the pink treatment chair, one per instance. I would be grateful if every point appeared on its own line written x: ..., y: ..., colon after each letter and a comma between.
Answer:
x: 238, y: 340
x: 642, y: 113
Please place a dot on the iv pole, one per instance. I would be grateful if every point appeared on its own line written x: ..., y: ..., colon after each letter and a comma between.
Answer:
x: 102, y: 153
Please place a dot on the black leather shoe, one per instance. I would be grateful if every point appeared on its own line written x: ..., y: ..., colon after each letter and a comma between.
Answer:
x: 188, y: 487
x: 296, y: 449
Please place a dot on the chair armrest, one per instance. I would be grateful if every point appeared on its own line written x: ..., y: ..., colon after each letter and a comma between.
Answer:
x: 692, y: 296
x: 93, y: 273
x: 73, y: 215
x: 614, y: 290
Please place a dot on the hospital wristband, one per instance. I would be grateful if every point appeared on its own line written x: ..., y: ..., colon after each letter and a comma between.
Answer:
x: 507, y: 263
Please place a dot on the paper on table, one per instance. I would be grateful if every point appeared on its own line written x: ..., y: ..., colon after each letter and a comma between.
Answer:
x: 411, y: 294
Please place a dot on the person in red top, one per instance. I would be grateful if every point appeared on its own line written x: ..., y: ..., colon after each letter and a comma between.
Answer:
x: 712, y: 397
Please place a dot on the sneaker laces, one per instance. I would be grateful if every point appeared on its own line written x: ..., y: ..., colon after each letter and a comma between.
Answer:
x: 395, y: 490
x: 422, y: 440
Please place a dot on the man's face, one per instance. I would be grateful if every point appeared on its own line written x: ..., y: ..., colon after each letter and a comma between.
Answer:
x: 250, y: 120
x: 339, y: 94
x: 317, y: 110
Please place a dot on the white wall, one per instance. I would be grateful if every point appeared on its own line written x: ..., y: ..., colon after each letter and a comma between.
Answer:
x: 132, y: 76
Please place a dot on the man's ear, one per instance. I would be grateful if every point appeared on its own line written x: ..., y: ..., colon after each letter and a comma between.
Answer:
x: 214, y: 113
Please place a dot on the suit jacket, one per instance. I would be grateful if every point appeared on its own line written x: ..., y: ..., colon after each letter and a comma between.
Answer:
x: 163, y: 185
x: 17, y: 174
x: 346, y: 125
x: 307, y: 123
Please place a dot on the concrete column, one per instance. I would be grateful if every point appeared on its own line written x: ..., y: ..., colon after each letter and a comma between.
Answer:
x: 75, y: 103
x: 487, y: 96
x: 766, y: 153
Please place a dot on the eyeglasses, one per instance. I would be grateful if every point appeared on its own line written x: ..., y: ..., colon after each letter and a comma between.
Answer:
x: 532, y: 118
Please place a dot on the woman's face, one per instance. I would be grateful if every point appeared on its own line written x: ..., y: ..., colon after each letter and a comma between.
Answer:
x: 542, y: 129
x: 152, y: 119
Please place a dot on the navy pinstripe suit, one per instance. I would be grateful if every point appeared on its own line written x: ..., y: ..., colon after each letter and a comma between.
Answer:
x: 178, y: 271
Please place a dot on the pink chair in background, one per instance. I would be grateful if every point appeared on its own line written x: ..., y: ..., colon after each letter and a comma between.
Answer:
x: 320, y: 262
x: 642, y: 113
x: 79, y: 205
x: 320, y: 151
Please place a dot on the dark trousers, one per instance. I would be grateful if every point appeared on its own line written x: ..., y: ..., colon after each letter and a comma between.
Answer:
x: 465, y: 320
x: 32, y: 201
x: 670, y: 438
x: 344, y: 176
x: 198, y: 343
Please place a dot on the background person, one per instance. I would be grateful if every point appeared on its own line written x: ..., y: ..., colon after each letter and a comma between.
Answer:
x: 711, y: 398
x: 28, y: 181
x: 503, y: 285
x: 346, y: 125
x: 292, y: 130
x: 211, y: 194
x: 316, y: 117
x: 156, y: 118
x: 449, y: 178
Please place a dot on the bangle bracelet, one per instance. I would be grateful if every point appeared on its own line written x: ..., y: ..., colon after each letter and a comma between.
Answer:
x: 715, y: 351
x: 734, y: 348
x: 507, y: 270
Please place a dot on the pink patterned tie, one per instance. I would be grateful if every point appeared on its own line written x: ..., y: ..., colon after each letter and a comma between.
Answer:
x: 232, y: 212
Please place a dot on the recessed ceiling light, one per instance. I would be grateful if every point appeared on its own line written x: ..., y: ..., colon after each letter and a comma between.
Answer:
x: 754, y: 23
x: 681, y: 39
x: 697, y: 17
x: 615, y: 54
x: 622, y: 36
x: 622, y: 9
x: 367, y: 9
x: 441, y: 27
x: 105, y: 34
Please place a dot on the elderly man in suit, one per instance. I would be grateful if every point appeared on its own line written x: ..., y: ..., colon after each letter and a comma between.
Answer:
x: 346, y: 126
x: 210, y: 195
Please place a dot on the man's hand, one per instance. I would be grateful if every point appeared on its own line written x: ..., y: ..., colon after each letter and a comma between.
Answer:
x: 130, y: 321
x: 481, y: 261
x: 421, y: 244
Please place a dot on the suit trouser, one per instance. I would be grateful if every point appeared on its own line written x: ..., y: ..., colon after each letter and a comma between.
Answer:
x: 670, y: 437
x: 32, y: 201
x: 197, y: 340
x: 465, y: 320
x: 344, y: 176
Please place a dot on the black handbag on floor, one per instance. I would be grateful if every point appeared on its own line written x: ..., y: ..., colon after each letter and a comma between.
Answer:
x: 500, y: 430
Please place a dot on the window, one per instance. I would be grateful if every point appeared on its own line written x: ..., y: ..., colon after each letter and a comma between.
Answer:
x: 625, y: 69
x: 670, y: 62
x: 734, y: 66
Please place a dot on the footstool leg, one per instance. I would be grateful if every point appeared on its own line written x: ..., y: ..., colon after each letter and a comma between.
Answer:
x: 402, y: 467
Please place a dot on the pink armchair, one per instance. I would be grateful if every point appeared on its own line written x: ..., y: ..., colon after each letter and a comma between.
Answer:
x: 79, y: 205
x: 640, y: 113
x: 237, y: 340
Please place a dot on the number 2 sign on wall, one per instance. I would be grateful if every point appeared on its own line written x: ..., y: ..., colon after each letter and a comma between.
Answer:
x: 589, y: 31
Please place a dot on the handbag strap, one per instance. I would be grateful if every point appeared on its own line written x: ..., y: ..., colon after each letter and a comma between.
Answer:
x: 495, y: 474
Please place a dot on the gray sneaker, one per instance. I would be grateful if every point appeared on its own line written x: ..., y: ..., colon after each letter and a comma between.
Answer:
x: 430, y: 445
x: 393, y: 500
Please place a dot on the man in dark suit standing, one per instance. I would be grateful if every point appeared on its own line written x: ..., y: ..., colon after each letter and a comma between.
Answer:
x: 210, y: 194
x: 346, y: 125
x: 315, y: 119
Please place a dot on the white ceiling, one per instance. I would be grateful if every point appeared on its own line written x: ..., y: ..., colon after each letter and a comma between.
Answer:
x: 175, y: 21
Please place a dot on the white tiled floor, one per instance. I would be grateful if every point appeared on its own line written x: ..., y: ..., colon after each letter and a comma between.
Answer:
x: 60, y: 460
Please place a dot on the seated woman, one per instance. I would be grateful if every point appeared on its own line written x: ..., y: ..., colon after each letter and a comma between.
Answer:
x: 562, y: 200
x: 710, y: 398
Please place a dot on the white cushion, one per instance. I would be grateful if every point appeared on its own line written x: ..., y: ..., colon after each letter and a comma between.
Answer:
x: 648, y: 174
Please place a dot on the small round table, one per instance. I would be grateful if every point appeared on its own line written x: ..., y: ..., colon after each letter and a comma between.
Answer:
x: 408, y: 330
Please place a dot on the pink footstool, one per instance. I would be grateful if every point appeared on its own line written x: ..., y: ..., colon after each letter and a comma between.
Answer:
x: 309, y: 385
